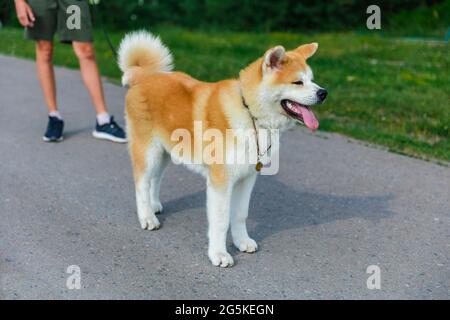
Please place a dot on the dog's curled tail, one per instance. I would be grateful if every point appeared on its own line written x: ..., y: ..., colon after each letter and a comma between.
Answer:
x: 141, y: 49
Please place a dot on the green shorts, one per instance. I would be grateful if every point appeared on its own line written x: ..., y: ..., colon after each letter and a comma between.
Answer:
x: 71, y: 23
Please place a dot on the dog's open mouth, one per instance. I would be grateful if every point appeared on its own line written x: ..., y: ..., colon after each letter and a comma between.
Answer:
x: 301, y: 112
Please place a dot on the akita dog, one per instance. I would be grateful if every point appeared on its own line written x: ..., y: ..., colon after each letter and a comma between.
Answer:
x: 275, y: 92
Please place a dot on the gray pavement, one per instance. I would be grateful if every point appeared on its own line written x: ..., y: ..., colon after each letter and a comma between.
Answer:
x: 335, y: 208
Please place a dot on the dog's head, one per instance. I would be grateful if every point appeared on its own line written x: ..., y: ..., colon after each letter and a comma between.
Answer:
x: 280, y: 88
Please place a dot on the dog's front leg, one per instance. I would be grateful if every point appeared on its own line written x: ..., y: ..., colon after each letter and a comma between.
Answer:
x: 239, y: 212
x: 218, y: 207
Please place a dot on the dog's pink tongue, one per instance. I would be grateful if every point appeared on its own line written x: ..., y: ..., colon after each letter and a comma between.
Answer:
x: 310, y: 119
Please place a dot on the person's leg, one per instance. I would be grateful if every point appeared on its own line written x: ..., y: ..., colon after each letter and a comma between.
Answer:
x: 90, y: 74
x: 41, y: 32
x: 46, y: 74
x: 106, y: 128
x: 82, y: 42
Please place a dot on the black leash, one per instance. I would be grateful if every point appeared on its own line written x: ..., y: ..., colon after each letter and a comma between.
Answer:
x: 98, y: 18
x: 259, y: 165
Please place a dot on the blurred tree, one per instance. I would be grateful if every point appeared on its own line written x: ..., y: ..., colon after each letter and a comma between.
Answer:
x: 244, y: 15
x: 6, y: 11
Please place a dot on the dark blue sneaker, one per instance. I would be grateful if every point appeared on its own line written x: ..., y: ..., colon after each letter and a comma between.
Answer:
x: 54, y: 131
x: 110, y: 131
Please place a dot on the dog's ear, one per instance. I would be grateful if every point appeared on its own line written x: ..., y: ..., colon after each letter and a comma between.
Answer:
x: 273, y: 59
x: 308, y: 50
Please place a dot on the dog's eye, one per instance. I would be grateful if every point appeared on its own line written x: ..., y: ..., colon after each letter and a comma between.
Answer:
x: 299, y: 83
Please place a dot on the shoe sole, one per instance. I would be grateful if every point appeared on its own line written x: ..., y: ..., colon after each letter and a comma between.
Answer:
x: 45, y: 139
x: 105, y: 136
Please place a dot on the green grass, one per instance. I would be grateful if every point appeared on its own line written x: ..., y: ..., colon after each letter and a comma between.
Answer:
x: 388, y: 92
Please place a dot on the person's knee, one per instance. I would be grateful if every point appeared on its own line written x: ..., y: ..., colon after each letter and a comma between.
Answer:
x: 44, y: 51
x: 84, y: 51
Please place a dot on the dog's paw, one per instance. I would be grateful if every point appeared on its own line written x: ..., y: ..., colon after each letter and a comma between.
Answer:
x: 221, y: 259
x: 157, y: 207
x: 246, y: 245
x: 150, y: 223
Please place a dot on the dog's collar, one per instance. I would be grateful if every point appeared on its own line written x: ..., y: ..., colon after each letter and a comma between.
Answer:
x: 254, y: 119
x: 259, y: 164
x: 245, y: 103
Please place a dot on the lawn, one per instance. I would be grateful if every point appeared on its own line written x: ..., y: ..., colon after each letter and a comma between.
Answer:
x: 382, y: 90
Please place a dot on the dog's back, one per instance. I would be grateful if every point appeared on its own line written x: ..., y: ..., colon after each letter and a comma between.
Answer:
x: 160, y: 101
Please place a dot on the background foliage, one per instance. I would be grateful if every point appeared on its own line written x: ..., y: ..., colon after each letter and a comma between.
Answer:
x: 263, y: 15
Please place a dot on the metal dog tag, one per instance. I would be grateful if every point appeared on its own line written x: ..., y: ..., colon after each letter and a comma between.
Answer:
x: 259, y: 166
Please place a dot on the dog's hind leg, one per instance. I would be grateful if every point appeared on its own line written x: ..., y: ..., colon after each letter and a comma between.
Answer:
x: 240, y: 203
x: 148, y: 167
x: 156, y: 175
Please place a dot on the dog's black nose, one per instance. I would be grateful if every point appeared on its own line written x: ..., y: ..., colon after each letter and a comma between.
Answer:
x: 322, y: 94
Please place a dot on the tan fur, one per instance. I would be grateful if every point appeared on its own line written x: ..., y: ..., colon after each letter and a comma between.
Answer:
x: 163, y: 106
x: 159, y: 103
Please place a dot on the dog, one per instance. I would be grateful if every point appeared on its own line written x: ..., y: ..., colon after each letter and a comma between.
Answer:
x: 275, y: 92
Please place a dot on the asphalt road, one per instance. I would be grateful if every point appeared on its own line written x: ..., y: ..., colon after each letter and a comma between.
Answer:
x: 335, y: 208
